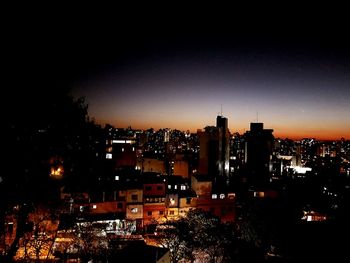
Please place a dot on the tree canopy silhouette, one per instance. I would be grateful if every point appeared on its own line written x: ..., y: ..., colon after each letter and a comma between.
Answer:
x: 46, y: 131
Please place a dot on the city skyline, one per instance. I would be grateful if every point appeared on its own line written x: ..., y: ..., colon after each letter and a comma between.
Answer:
x: 179, y: 74
x: 127, y: 193
x: 297, y: 87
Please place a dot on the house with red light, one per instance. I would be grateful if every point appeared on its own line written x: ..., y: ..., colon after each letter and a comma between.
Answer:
x: 154, y: 209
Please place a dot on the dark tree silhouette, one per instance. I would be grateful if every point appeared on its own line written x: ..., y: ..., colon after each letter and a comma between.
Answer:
x: 199, y: 236
x: 49, y: 129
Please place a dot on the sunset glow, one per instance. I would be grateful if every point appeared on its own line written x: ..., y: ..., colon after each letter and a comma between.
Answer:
x: 295, y: 94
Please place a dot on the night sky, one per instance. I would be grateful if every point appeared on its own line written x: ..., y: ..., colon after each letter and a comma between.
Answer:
x: 178, y: 73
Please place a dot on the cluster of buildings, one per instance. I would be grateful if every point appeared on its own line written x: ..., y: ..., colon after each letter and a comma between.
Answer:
x: 154, y: 177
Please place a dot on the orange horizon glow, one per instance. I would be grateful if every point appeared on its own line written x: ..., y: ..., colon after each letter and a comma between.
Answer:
x: 293, y: 95
x: 286, y: 133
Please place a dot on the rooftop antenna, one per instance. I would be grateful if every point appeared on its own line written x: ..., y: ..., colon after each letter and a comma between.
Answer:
x: 257, y: 116
x: 221, y: 110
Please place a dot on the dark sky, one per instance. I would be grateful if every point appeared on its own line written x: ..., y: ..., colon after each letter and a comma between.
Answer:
x: 177, y: 70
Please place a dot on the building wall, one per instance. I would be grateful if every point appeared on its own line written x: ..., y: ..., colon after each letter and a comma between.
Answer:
x: 134, y: 205
x: 223, y: 208
x: 181, y: 168
x: 108, y: 207
x: 134, y: 211
x: 155, y: 189
x: 172, y: 213
x: 201, y: 187
x: 124, y: 154
x: 153, y: 165
x: 203, y: 153
x: 214, y: 149
x: 190, y: 202
x: 259, y: 142
x: 172, y: 200
x: 134, y: 196
x: 153, y: 212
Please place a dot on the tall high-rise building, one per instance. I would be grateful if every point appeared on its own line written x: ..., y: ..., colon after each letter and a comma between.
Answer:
x: 258, y: 154
x: 166, y: 135
x: 214, y: 150
x: 224, y: 145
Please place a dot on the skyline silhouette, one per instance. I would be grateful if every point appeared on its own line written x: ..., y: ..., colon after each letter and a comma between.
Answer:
x: 301, y: 93
x: 177, y: 74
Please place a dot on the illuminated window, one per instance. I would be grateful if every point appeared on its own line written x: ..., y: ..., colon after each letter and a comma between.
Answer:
x: 175, y: 186
x: 231, y: 195
x: 109, y: 149
x: 123, y: 149
x: 214, y: 196
x: 134, y: 210
x: 172, y: 201
x: 169, y: 186
x: 56, y: 172
x: 116, y: 177
x: 183, y: 187
x: 108, y: 156
x: 222, y: 196
x: 94, y: 206
x: 259, y: 194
